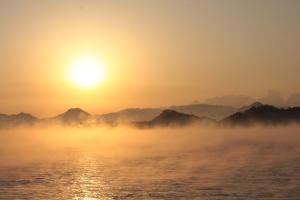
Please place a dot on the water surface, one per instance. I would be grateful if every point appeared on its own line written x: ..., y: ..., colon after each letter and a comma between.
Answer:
x: 156, y: 164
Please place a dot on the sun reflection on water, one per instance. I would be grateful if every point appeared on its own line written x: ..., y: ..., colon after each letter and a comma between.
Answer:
x: 90, y: 183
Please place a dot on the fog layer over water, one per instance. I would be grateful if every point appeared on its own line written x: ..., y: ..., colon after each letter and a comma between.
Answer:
x: 125, y: 163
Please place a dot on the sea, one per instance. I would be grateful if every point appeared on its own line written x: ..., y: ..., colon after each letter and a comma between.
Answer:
x: 190, y: 163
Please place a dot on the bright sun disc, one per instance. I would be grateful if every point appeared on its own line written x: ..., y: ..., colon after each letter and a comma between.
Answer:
x: 87, y: 71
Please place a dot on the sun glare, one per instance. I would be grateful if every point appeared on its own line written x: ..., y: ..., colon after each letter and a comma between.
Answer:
x: 87, y: 71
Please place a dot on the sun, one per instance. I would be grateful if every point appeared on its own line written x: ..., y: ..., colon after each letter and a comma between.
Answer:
x: 87, y: 71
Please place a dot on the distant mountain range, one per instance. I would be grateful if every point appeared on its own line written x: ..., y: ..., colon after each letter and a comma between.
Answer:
x: 129, y: 115
x: 253, y: 105
x: 10, y: 121
x: 73, y: 116
x: 264, y: 114
x: 216, y: 112
x: 173, y: 116
x: 145, y: 114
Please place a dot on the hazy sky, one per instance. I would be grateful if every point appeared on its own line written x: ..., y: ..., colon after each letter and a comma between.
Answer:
x: 156, y: 53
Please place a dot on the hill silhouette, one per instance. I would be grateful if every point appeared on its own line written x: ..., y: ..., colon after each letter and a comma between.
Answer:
x: 216, y: 112
x: 253, y: 105
x: 151, y: 117
x: 130, y: 115
x: 8, y: 121
x: 74, y: 116
x: 172, y: 118
x: 264, y: 114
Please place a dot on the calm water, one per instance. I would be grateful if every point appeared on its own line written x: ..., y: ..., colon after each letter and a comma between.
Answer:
x: 238, y: 168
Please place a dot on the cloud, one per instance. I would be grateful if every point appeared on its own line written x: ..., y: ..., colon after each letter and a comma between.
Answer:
x: 294, y: 99
x: 230, y: 100
x: 273, y: 98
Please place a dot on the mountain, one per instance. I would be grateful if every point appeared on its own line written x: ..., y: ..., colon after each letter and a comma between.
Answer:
x: 265, y: 114
x: 3, y: 117
x: 216, y: 112
x: 8, y: 121
x: 130, y: 115
x: 178, y: 116
x: 253, y: 105
x: 73, y: 116
x: 169, y: 117
x: 172, y: 118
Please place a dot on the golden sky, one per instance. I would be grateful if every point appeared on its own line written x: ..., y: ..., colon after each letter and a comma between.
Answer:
x: 154, y: 53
